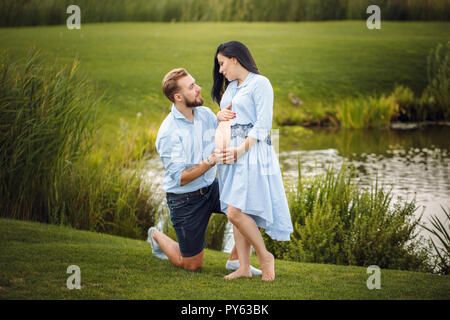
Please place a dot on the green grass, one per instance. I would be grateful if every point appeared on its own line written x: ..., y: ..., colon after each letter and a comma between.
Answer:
x: 317, y: 61
x: 34, y: 259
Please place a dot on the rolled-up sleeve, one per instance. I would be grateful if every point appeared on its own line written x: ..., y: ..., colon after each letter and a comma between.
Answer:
x: 263, y: 98
x: 170, y: 149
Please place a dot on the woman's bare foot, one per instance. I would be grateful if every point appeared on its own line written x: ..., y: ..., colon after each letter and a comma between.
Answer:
x: 268, y: 267
x: 239, y: 273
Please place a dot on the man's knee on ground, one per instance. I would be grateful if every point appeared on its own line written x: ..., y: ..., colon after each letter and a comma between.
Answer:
x: 192, y: 267
x: 193, y: 263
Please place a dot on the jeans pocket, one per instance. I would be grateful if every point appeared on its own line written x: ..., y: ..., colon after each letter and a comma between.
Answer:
x: 175, y: 203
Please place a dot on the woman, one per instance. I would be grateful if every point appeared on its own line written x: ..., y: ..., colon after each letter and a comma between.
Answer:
x: 251, y: 188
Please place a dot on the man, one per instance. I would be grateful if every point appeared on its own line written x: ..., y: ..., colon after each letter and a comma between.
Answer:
x: 185, y: 143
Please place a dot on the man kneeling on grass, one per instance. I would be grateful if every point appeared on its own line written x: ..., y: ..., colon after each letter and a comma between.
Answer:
x: 185, y: 143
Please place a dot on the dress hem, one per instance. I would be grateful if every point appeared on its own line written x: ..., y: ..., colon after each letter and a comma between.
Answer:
x: 274, y: 234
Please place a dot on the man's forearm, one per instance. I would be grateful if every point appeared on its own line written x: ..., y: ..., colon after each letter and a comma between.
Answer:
x: 195, y: 171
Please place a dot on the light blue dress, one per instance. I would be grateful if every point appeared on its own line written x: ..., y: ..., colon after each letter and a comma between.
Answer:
x: 254, y: 183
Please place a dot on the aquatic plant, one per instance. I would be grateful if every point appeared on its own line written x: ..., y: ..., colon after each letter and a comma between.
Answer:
x: 337, y: 221
x: 441, y: 230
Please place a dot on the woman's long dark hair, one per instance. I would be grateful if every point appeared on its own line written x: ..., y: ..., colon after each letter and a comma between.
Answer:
x: 230, y: 49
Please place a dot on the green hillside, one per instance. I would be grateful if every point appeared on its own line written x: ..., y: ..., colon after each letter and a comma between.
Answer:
x: 316, y: 61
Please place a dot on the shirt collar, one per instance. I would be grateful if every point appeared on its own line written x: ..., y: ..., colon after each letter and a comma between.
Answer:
x: 246, y: 81
x: 177, y: 114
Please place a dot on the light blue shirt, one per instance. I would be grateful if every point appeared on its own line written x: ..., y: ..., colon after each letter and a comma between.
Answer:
x: 182, y: 144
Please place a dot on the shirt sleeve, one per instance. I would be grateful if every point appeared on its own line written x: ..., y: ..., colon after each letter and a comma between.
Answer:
x: 170, y: 149
x: 212, y: 117
x: 263, y: 98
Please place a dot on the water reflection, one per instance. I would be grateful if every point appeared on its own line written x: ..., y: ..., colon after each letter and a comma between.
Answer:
x: 414, y: 161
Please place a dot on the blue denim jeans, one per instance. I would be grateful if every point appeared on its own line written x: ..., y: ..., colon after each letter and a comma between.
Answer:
x: 190, y: 217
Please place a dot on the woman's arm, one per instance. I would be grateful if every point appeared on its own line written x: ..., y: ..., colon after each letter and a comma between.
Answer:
x: 244, y: 147
x: 263, y: 97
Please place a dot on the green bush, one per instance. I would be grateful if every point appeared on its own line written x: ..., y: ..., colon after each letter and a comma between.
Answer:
x: 216, y: 231
x: 434, y: 103
x: 308, y: 114
x: 370, y: 112
x: 338, y: 222
x: 406, y: 101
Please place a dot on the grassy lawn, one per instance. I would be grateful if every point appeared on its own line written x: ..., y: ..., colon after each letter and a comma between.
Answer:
x: 317, y: 61
x: 34, y: 258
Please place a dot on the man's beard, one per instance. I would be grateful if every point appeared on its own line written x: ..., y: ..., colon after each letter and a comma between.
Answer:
x: 193, y: 103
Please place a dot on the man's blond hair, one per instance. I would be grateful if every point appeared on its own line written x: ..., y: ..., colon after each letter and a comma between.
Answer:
x: 169, y: 83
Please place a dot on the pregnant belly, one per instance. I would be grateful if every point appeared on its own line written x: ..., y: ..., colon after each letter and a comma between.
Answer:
x: 223, y: 135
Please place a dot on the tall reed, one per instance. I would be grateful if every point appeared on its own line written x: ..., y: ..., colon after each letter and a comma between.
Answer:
x: 53, y: 166
x: 434, y: 103
x: 48, y: 12
x: 441, y: 230
x: 47, y: 118
x: 437, y: 93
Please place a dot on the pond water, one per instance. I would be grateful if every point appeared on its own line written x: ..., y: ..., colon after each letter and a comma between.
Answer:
x: 413, y: 159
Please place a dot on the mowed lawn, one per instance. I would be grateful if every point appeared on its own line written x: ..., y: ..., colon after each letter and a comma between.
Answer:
x: 317, y: 61
x: 34, y: 259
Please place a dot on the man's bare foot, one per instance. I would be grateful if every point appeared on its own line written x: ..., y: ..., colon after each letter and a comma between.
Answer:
x: 268, y: 267
x: 239, y: 273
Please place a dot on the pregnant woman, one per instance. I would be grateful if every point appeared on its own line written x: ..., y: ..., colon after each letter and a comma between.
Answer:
x: 251, y: 187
